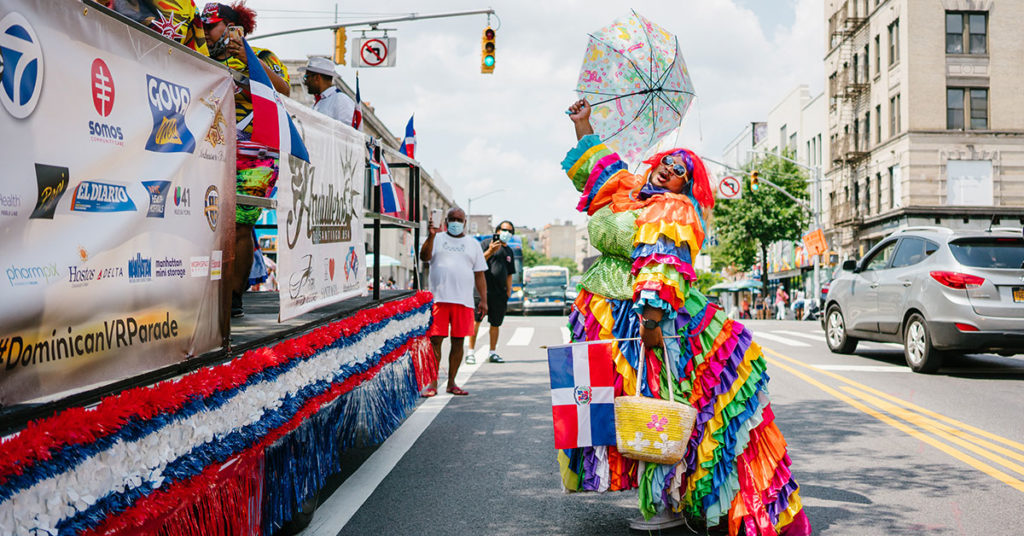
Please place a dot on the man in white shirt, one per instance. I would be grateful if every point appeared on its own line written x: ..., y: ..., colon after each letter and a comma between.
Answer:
x: 456, y: 265
x: 330, y: 101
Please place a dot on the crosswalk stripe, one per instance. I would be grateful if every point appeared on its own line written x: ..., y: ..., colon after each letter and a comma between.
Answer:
x: 780, y: 340
x: 820, y: 337
x: 521, y: 337
x: 565, y: 335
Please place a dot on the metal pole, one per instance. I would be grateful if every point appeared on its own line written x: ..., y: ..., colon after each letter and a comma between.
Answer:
x: 376, y: 233
x: 409, y: 17
x: 418, y: 218
x: 816, y: 201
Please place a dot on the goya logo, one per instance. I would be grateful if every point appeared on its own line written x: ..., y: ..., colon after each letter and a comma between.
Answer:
x: 140, y: 269
x: 21, y: 66
x: 52, y: 182
x: 157, y: 191
x: 168, y: 103
x: 91, y: 196
x: 212, y: 211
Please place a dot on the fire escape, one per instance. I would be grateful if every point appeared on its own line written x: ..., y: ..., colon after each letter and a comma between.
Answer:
x: 849, y: 91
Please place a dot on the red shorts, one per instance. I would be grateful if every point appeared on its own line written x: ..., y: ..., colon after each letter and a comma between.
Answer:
x: 458, y: 316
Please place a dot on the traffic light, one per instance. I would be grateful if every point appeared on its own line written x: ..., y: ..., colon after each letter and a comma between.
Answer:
x: 753, y: 180
x: 339, y: 46
x: 487, y: 51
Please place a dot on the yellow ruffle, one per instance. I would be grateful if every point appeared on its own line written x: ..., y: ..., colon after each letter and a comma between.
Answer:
x: 679, y: 233
x: 786, y: 516
x: 602, y: 311
x: 661, y: 279
x: 585, y: 158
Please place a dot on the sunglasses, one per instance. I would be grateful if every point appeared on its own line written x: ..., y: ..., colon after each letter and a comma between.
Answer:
x: 678, y: 169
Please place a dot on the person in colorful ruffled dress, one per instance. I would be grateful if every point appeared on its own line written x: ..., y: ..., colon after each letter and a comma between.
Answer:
x: 649, y: 228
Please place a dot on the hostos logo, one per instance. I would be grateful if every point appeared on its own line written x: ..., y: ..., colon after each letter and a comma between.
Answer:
x: 168, y: 102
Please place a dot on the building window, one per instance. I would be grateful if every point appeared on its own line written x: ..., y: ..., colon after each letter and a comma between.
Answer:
x: 878, y: 54
x: 894, y: 42
x: 966, y: 33
x: 867, y: 130
x: 878, y: 124
x: 894, y: 115
x: 969, y: 182
x: 867, y: 195
x: 895, y: 186
x: 966, y: 108
x: 878, y: 191
x: 792, y: 142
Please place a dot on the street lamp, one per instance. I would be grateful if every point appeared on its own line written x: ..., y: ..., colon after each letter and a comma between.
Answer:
x: 469, y: 206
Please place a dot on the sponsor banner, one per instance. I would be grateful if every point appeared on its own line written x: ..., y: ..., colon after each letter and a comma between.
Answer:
x: 117, y: 163
x: 321, y: 258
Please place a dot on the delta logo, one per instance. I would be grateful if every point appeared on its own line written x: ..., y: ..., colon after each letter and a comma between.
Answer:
x: 102, y: 85
x: 168, y: 102
x: 157, y: 191
x: 140, y: 269
x: 92, y: 196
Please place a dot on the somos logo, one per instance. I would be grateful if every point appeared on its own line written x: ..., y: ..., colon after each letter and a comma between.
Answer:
x: 168, y: 103
x: 21, y: 66
x: 102, y: 83
x: 93, y: 196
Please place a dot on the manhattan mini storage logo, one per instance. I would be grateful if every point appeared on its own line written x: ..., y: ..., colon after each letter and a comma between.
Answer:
x: 91, y: 196
x: 140, y: 269
x: 168, y: 103
x: 157, y: 191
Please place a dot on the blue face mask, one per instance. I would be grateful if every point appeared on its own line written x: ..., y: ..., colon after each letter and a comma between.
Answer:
x: 504, y: 236
x: 455, y: 228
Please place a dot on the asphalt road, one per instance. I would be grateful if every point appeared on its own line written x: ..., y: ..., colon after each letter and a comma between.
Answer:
x: 877, y: 449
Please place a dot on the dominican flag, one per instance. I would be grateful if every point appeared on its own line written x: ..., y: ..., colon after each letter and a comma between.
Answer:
x: 271, y: 124
x: 390, y: 203
x: 357, y: 114
x: 582, y: 394
x: 408, y: 147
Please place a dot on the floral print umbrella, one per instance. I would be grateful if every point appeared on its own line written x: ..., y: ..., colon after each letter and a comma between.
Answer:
x: 636, y: 81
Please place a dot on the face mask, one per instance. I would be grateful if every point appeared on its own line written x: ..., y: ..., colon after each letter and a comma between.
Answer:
x: 220, y: 47
x: 504, y: 236
x: 455, y: 228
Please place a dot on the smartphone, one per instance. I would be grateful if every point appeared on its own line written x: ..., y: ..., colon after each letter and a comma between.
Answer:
x: 236, y: 31
x: 435, y: 218
x: 495, y: 238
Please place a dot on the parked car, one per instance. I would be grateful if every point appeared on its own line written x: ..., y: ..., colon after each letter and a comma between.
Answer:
x: 935, y: 290
x: 573, y: 289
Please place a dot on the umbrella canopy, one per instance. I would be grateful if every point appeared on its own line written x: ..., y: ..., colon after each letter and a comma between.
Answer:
x: 635, y: 79
x: 384, y: 260
x: 748, y: 284
x: 722, y: 287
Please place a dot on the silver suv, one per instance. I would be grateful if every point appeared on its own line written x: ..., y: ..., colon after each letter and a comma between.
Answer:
x: 935, y: 290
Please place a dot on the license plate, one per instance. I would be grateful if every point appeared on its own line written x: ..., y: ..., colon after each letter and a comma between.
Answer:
x: 1018, y: 294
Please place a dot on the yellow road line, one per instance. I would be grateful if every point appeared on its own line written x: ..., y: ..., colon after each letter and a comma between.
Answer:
x: 917, y: 434
x: 929, y: 425
x: 908, y: 405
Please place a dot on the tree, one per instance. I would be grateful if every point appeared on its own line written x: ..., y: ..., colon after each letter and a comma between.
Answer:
x: 706, y: 280
x: 533, y: 258
x: 747, y: 226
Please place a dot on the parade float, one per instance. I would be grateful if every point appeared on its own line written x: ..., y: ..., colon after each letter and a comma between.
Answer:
x: 131, y: 404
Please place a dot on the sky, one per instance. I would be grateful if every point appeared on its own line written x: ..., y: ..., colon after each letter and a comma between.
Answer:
x: 500, y: 138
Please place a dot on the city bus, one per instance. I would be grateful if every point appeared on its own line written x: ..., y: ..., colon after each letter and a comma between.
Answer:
x: 544, y: 289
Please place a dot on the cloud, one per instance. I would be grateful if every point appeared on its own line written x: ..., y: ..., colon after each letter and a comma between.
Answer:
x: 509, y: 130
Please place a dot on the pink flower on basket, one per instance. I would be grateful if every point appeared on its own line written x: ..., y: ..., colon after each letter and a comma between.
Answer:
x: 657, y: 424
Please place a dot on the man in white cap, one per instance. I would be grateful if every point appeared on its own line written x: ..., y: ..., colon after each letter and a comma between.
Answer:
x: 330, y: 101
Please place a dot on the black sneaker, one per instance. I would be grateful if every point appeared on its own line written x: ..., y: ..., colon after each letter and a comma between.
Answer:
x: 236, y: 305
x: 495, y: 358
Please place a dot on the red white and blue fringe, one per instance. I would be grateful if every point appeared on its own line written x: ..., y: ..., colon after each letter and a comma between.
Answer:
x: 230, y: 449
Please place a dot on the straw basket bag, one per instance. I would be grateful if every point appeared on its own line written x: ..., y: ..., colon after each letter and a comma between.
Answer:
x: 652, y: 429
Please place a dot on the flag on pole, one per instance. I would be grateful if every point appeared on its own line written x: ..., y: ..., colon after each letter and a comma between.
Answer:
x: 269, y: 117
x: 389, y: 202
x: 357, y: 114
x: 408, y: 147
x: 582, y: 394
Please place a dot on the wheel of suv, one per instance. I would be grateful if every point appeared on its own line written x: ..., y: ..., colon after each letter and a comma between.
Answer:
x: 835, y: 332
x: 917, y: 346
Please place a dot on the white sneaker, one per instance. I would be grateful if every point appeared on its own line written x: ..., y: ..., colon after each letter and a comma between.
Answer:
x: 662, y: 520
x: 470, y: 358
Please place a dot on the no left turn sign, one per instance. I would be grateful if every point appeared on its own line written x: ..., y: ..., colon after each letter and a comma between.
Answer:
x: 373, y: 52
x: 729, y: 188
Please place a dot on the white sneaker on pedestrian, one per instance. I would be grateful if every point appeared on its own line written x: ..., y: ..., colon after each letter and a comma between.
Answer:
x: 662, y: 520
x: 471, y: 358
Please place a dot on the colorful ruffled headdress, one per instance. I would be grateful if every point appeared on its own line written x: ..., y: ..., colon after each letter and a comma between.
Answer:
x: 700, y: 184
